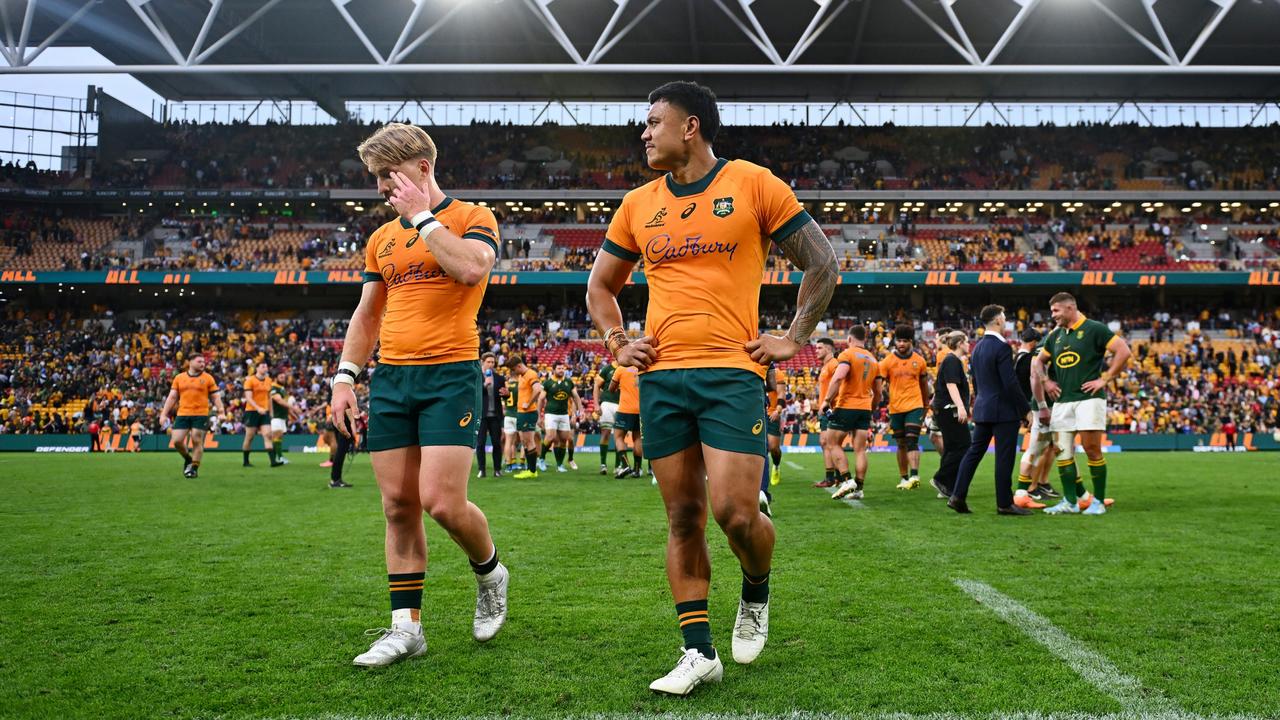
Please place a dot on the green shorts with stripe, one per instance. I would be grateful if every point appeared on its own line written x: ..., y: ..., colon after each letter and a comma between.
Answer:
x: 847, y: 420
x: 627, y: 422
x: 773, y: 427
x: 527, y: 421
x: 191, y: 422
x: 254, y: 419
x: 719, y: 407
x: 899, y: 422
x: 418, y: 405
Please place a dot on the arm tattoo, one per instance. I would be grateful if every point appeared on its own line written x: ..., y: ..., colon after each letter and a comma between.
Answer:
x: 809, y: 249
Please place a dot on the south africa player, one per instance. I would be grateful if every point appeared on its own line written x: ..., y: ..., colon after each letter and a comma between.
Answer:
x: 606, y: 402
x: 1077, y: 348
x: 282, y: 411
x: 563, y: 402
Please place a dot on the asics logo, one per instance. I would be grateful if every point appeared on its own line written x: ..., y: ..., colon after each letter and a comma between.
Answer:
x: 758, y: 427
x: 465, y: 421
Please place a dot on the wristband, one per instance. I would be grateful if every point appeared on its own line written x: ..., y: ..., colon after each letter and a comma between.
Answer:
x: 426, y: 223
x: 342, y: 379
x: 348, y: 365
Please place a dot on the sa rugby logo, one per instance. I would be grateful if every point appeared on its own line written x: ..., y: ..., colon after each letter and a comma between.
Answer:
x: 722, y: 207
x: 1068, y: 359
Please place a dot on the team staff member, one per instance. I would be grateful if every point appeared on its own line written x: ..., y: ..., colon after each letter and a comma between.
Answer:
x: 998, y: 410
x: 425, y: 276
x: 773, y: 426
x: 529, y: 393
x: 908, y: 377
x: 704, y: 231
x: 951, y: 409
x: 491, y: 419
x: 192, y: 391
x: 257, y: 413
x: 606, y: 402
x: 854, y: 390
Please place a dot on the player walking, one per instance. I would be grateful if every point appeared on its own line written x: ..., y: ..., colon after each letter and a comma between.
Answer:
x: 192, y: 391
x: 425, y: 276
x: 704, y: 231
x: 908, y: 379
x: 854, y: 390
x: 563, y: 402
x: 257, y: 414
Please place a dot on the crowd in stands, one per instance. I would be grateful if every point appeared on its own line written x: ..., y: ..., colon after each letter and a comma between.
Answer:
x: 493, y: 155
x: 1192, y: 371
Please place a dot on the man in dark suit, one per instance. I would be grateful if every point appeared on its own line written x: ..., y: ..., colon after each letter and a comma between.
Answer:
x: 493, y: 396
x: 998, y: 409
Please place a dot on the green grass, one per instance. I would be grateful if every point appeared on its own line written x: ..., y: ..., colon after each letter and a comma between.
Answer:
x: 129, y: 591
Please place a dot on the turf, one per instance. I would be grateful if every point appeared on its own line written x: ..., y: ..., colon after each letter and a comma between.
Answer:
x: 129, y: 591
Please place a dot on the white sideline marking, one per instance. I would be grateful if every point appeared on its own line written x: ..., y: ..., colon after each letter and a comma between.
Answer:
x: 676, y: 715
x: 855, y: 504
x: 794, y: 465
x: 1092, y: 666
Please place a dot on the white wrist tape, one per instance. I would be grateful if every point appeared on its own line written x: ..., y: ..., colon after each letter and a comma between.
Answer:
x: 342, y: 378
x: 426, y: 223
x: 348, y: 365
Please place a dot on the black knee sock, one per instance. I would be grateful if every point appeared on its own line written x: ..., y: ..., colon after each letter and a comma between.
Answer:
x: 777, y: 457
x: 559, y: 455
x: 755, y: 588
x: 604, y: 453
x: 246, y: 457
x: 340, y: 457
x: 531, y: 460
x: 486, y: 567
x: 620, y: 458
x: 572, y: 443
x: 545, y: 448
x: 406, y: 590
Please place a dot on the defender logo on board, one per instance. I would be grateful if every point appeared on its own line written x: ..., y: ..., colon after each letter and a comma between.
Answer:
x: 684, y: 214
x: 658, y: 218
x: 722, y: 207
x: 1068, y: 359
x: 758, y: 427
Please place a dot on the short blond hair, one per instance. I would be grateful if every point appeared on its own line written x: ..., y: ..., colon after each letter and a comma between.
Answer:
x: 395, y: 143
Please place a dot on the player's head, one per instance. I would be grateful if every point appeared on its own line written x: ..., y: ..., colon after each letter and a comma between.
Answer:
x: 515, y: 362
x: 488, y: 361
x: 195, y: 363
x: 281, y: 376
x: 857, y: 335
x: 1030, y: 338
x: 992, y: 317
x: 401, y: 148
x: 826, y: 349
x: 560, y: 370
x: 1063, y: 309
x: 262, y: 369
x: 682, y: 117
x: 904, y: 338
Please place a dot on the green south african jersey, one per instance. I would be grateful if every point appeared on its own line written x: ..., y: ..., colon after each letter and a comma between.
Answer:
x: 278, y: 410
x: 606, y: 374
x: 558, y: 394
x: 1078, y: 356
x: 513, y: 397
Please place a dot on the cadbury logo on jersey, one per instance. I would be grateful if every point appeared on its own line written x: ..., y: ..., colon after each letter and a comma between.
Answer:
x: 413, y: 273
x: 661, y: 248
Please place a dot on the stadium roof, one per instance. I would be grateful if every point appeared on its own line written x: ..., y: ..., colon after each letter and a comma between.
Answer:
x: 786, y: 50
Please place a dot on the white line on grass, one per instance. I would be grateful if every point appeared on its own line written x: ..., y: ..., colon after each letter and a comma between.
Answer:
x: 795, y: 465
x: 855, y: 504
x: 1092, y: 666
x: 678, y: 715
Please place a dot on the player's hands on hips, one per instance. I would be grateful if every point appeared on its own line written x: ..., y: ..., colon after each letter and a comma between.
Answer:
x: 772, y: 348
x: 1052, y: 389
x: 408, y: 199
x: 344, y: 408
x: 1093, y: 387
x: 639, y: 354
